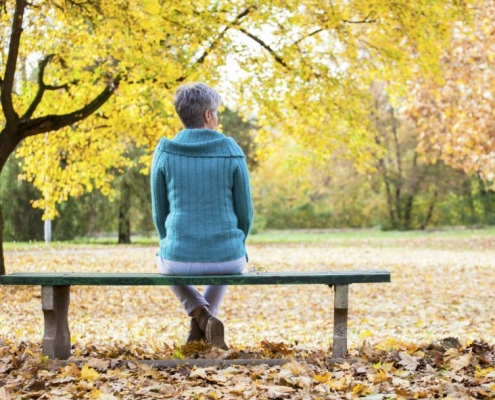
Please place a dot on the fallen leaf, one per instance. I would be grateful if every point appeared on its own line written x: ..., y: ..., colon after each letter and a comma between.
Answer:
x: 198, y: 373
x: 274, y: 391
x: 461, y: 361
x: 322, y: 378
x: 408, y: 362
x: 4, y: 395
x: 88, y: 373
x: 99, y: 364
x: 95, y: 394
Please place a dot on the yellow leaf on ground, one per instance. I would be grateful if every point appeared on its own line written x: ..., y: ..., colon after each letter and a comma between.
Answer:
x: 360, y: 389
x: 365, y: 334
x: 379, y: 377
x: 322, y: 378
x: 88, y: 373
x: 70, y: 370
x: 95, y: 394
x: 338, y: 385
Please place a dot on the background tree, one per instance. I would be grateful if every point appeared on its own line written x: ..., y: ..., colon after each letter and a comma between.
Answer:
x: 405, y: 177
x: 455, y: 112
x: 243, y: 131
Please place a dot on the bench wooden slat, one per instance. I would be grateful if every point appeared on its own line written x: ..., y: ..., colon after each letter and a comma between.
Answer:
x: 151, y: 279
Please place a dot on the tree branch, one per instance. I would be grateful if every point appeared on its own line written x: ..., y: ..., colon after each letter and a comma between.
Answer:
x: 208, y: 50
x: 41, y: 88
x: 222, y: 34
x: 11, y: 117
x: 366, y: 20
x: 266, y: 47
x: 307, y: 36
x: 49, y: 123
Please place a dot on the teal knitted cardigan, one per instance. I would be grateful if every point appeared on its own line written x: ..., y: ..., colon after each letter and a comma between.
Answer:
x: 201, y: 198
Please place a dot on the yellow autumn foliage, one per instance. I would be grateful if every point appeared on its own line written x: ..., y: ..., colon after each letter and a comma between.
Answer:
x: 454, y: 115
x: 302, y: 68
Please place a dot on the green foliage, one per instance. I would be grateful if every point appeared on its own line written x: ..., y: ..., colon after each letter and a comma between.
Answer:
x: 243, y: 131
x: 91, y: 214
x: 22, y: 222
x: 300, y: 217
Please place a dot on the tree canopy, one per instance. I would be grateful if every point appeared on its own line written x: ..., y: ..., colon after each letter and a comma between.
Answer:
x: 100, y: 75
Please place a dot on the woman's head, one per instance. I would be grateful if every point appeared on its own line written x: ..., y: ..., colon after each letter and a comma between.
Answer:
x: 197, y: 105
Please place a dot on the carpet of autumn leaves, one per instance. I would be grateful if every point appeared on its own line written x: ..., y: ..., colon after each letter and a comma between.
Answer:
x: 430, y: 333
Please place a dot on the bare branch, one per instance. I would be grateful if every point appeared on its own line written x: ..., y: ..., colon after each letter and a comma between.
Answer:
x: 266, y: 47
x: 11, y: 117
x: 49, y: 123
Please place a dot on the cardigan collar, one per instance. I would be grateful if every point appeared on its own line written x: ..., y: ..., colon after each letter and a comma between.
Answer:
x: 201, y: 143
x: 197, y: 135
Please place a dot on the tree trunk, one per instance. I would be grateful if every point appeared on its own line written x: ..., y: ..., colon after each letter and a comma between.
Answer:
x: 2, y: 263
x: 408, y: 212
x: 430, y: 211
x: 124, y: 212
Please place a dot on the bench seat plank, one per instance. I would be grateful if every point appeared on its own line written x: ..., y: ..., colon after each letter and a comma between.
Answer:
x: 154, y: 279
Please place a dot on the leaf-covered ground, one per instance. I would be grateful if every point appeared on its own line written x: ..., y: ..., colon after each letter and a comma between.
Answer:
x: 429, y: 333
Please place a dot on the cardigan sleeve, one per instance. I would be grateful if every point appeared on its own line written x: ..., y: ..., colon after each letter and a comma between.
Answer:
x: 159, y: 197
x: 243, y: 205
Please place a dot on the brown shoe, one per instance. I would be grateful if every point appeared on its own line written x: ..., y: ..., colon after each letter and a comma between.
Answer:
x: 215, y: 333
x: 195, y: 333
x: 212, y: 328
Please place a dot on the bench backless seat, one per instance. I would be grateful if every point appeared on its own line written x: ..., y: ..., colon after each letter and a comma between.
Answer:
x: 55, y: 295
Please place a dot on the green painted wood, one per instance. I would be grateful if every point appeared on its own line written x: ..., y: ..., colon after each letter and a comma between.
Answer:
x: 140, y: 279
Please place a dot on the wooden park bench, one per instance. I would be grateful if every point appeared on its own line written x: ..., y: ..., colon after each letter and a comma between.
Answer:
x: 55, y: 295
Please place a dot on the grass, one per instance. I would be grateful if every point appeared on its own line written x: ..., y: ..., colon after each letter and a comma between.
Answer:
x: 336, y: 236
x: 343, y: 235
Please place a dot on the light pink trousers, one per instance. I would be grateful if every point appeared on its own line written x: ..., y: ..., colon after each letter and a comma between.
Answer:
x: 189, y: 295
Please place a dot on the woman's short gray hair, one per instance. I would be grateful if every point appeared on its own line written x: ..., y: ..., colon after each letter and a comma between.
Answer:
x: 191, y: 102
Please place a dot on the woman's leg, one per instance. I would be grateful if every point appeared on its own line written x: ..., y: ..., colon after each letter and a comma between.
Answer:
x: 214, y: 294
x: 189, y: 296
x: 202, y: 308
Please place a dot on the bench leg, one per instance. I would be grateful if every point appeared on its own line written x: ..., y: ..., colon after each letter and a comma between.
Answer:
x: 341, y: 306
x: 55, y: 304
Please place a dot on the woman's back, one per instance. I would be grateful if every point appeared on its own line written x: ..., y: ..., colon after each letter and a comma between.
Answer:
x: 206, y: 211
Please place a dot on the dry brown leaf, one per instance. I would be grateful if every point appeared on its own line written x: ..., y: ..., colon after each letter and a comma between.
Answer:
x: 408, y: 362
x: 457, y: 361
x: 4, y: 395
x: 198, y: 373
x: 99, y: 364
x: 274, y: 391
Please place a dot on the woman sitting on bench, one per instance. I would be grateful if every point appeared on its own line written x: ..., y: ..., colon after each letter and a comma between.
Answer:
x: 202, y: 207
